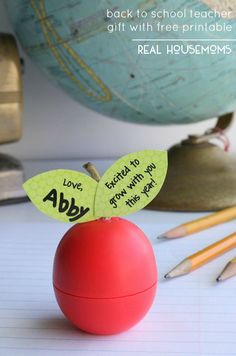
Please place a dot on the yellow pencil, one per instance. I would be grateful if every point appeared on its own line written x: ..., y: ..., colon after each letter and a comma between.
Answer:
x: 228, y: 272
x: 203, y: 256
x: 200, y: 224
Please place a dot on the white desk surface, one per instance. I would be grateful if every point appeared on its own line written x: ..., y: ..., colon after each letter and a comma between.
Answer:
x: 191, y: 315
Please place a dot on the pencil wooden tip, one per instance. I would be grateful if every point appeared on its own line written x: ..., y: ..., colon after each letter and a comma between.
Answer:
x: 174, y: 233
x: 182, y: 268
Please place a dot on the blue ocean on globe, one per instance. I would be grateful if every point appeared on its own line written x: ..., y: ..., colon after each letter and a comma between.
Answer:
x: 70, y: 41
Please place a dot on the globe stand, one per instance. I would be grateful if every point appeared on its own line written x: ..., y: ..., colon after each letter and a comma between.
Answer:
x: 201, y: 175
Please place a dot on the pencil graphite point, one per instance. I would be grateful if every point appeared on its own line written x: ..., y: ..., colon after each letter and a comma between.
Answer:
x: 167, y: 276
x: 228, y: 272
x: 161, y: 237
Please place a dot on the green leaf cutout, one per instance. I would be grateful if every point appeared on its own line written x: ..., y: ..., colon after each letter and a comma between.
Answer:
x: 131, y: 183
x: 63, y: 194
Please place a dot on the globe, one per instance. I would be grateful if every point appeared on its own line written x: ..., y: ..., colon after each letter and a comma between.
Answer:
x: 70, y: 41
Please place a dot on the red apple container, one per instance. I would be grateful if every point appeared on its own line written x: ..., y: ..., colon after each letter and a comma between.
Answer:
x: 105, y: 275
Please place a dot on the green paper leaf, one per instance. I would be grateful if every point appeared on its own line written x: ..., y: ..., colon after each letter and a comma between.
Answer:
x: 63, y: 194
x: 131, y: 183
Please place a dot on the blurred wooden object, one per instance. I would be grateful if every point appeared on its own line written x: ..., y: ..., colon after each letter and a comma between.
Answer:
x: 11, y: 98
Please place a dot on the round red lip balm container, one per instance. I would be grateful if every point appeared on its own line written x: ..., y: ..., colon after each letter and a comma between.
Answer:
x: 104, y: 275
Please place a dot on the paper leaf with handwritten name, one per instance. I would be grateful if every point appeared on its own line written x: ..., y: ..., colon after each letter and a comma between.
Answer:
x: 63, y: 194
x: 131, y: 183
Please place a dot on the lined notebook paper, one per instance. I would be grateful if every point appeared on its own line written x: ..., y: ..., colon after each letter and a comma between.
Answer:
x: 191, y: 315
